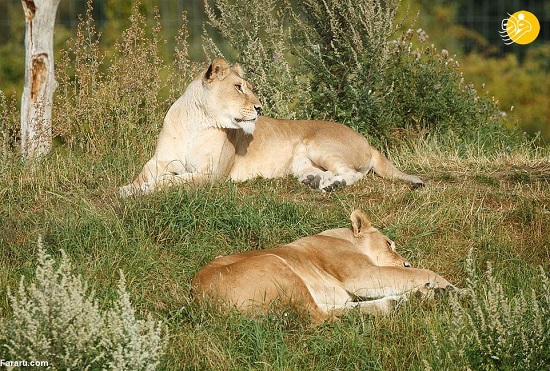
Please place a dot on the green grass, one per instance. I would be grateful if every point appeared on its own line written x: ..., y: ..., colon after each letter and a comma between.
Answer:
x: 494, y: 205
x: 486, y: 201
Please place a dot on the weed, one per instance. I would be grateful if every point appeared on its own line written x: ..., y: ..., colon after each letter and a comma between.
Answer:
x: 58, y: 319
x: 493, y: 330
x: 99, y: 95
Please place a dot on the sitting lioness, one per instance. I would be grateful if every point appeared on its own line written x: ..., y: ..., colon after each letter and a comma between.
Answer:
x: 324, y: 274
x: 214, y: 131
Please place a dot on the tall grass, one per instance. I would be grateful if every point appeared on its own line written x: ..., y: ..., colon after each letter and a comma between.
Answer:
x: 99, y: 95
x: 487, y: 192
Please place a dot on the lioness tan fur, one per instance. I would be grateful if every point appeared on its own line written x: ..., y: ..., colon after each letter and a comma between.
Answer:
x: 324, y: 274
x: 214, y: 131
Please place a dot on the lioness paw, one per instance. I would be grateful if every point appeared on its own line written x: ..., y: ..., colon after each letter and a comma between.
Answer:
x: 131, y: 189
x: 336, y: 184
x: 312, y: 181
x: 127, y: 190
x: 418, y: 184
x: 325, y: 181
x: 331, y: 182
x: 145, y: 187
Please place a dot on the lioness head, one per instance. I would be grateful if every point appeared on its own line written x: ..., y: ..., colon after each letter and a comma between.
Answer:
x: 379, y: 248
x: 236, y: 106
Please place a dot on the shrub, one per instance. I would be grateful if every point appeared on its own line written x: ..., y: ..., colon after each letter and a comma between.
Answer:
x: 493, y: 330
x: 341, y: 60
x: 428, y: 92
x: 257, y: 32
x: 58, y: 320
x: 344, y: 48
x: 380, y: 84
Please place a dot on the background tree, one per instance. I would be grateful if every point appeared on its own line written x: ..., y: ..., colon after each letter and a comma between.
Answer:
x: 36, y: 132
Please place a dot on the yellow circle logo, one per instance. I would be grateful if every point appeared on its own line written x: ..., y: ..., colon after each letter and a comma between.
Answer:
x: 522, y: 27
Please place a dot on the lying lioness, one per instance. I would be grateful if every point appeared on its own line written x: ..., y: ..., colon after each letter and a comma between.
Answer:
x: 214, y: 131
x: 324, y: 274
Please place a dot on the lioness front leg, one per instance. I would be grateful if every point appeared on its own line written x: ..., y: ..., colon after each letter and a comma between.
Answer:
x: 167, y: 180
x: 378, y: 282
x: 152, y: 173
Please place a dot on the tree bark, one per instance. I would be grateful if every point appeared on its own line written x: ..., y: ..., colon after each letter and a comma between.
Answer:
x: 37, y: 99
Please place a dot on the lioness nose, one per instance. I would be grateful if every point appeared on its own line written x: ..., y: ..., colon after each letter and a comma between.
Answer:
x: 406, y: 264
x: 258, y: 108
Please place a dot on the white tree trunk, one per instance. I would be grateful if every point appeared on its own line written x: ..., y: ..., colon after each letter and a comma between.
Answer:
x: 36, y: 102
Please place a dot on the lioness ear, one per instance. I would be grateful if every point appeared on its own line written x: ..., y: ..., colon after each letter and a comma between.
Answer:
x: 359, y: 222
x: 238, y: 69
x: 218, y: 69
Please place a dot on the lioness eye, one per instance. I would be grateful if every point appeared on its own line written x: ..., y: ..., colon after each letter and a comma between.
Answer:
x: 239, y: 88
x: 388, y: 242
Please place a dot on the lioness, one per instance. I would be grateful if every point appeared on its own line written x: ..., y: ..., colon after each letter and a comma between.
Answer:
x: 214, y: 131
x: 324, y: 274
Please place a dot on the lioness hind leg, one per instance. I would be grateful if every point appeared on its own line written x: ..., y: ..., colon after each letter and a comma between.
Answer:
x: 343, y: 172
x: 255, y: 283
x: 324, y: 178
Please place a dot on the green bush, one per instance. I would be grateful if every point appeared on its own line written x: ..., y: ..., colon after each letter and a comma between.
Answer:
x: 341, y: 60
x: 57, y: 319
x: 344, y: 48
